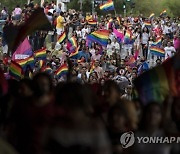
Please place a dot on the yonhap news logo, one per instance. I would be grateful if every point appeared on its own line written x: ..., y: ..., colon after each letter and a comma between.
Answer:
x: 128, y: 139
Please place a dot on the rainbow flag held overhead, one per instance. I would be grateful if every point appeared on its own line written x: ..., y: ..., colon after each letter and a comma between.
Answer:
x: 25, y: 62
x: 47, y: 70
x: 62, y: 37
x: 119, y: 20
x: 92, y: 66
x: 164, y: 12
x: 107, y: 6
x: 160, y: 82
x: 61, y: 71
x: 147, y: 24
x: 157, y: 51
x: 92, y: 22
x: 128, y: 37
x: 158, y: 42
x: 100, y: 36
x: 73, y: 41
x: 40, y: 54
x: 151, y: 16
x: 41, y: 63
x: 74, y: 55
x: 14, y: 35
x: 15, y: 70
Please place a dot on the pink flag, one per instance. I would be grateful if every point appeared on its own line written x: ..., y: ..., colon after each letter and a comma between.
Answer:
x: 23, y: 49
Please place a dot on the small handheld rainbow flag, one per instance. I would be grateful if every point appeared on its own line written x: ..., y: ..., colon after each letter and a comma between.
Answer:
x: 157, y: 51
x: 73, y: 41
x: 61, y: 71
x: 107, y: 6
x: 110, y: 23
x: 163, y: 13
x: 62, y: 37
x: 100, y: 36
x: 92, y: 22
x: 25, y: 62
x: 40, y: 54
x: 15, y: 70
x: 92, y: 66
x: 47, y: 70
x: 74, y: 54
x: 119, y: 20
x: 151, y: 16
x: 147, y: 24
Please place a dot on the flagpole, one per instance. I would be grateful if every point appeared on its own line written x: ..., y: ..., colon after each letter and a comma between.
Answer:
x: 114, y: 10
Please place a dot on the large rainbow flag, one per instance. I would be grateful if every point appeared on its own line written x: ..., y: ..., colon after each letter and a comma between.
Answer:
x: 62, y: 70
x: 160, y: 82
x: 15, y: 70
x: 107, y: 6
x: 157, y: 51
x: 100, y: 36
x: 14, y: 35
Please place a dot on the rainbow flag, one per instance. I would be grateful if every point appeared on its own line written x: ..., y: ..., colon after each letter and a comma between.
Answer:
x: 92, y: 22
x: 62, y: 37
x: 61, y: 71
x: 157, y: 51
x: 107, y: 6
x: 14, y: 35
x: 92, y: 67
x: 163, y: 13
x: 40, y: 54
x: 110, y: 23
x: 158, y: 42
x: 128, y: 37
x: 159, y: 82
x: 147, y: 24
x: 131, y: 62
x: 100, y: 36
x: 151, y: 16
x: 119, y: 20
x: 15, y: 70
x: 47, y: 70
x: 73, y: 41
x: 41, y: 63
x: 74, y: 54
x: 25, y: 62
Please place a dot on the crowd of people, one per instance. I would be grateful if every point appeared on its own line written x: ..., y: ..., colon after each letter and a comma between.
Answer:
x: 90, y: 107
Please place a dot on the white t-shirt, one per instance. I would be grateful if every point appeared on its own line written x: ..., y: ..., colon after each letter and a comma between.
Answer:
x: 84, y: 32
x: 79, y: 33
x: 145, y: 38
x: 115, y: 45
x: 92, y: 51
x: 169, y: 51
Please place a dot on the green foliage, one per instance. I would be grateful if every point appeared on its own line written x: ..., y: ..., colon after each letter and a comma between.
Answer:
x: 145, y: 7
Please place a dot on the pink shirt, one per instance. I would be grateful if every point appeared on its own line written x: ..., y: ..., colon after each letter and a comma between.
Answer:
x: 176, y: 43
x: 17, y: 11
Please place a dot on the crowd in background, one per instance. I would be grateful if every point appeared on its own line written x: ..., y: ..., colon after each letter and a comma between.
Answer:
x: 89, y: 111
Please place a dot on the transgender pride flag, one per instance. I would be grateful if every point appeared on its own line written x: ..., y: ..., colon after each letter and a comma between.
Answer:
x: 23, y: 51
